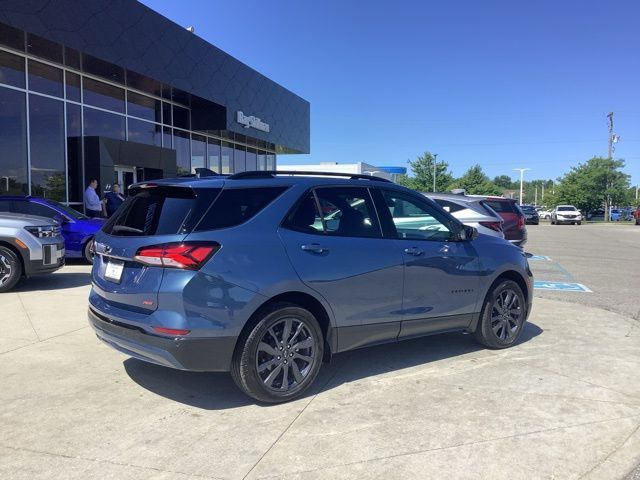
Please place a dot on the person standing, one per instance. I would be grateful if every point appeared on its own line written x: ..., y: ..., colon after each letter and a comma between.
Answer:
x: 113, y: 199
x: 92, y: 203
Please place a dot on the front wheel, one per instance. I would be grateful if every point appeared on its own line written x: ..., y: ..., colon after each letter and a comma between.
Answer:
x: 280, y: 357
x: 503, y: 316
x: 10, y: 269
x: 579, y: 223
x: 87, y: 251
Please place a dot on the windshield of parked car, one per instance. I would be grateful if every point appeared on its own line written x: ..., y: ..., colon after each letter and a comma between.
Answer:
x: 566, y: 209
x: 68, y: 211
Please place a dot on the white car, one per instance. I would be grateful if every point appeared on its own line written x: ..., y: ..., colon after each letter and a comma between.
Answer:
x: 566, y: 214
x: 545, y: 214
x: 471, y: 211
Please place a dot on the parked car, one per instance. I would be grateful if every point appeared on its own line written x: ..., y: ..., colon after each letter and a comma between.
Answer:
x: 566, y: 214
x: 246, y: 274
x: 615, y: 215
x: 514, y: 223
x: 531, y: 216
x: 470, y: 211
x: 78, y: 230
x: 544, y: 214
x: 29, y: 245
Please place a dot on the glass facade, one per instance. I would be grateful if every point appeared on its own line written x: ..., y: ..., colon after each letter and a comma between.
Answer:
x: 47, y: 108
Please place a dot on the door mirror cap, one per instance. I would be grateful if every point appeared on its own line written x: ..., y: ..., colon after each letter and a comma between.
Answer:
x: 468, y: 233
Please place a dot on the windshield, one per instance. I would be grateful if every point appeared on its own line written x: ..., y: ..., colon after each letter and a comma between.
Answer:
x: 566, y: 209
x: 68, y: 211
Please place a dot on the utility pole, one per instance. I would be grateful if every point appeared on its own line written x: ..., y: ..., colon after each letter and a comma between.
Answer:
x: 613, y: 139
x: 521, y: 170
x: 535, y: 202
x: 435, y: 159
x: 542, y: 192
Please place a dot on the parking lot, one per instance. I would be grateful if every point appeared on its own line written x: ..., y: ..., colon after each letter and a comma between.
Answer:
x: 564, y: 403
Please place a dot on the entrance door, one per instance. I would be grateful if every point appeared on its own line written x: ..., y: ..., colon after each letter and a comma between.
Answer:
x: 125, y: 176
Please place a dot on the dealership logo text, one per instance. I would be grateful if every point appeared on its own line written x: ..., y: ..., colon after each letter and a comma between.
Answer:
x: 252, y: 122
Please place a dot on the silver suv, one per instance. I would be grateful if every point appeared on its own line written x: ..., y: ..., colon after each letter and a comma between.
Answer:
x: 29, y: 245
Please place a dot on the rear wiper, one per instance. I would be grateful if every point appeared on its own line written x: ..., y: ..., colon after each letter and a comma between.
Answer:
x: 124, y: 228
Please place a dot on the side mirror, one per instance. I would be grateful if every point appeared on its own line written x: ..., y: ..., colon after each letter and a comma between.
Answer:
x: 468, y: 233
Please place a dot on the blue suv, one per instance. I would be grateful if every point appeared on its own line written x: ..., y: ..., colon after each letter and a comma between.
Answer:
x: 266, y: 275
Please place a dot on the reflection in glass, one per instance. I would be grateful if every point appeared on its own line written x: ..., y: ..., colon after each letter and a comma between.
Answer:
x: 166, y: 113
x: 167, y: 137
x: 262, y: 160
x: 271, y: 161
x: 45, y: 79
x: 198, y: 152
x: 227, y: 158
x: 252, y: 160
x: 103, y: 124
x: 103, y: 95
x: 213, y: 152
x: 74, y: 152
x: 181, y: 117
x: 144, y: 132
x: 143, y: 107
x: 239, y: 159
x: 181, y: 144
x: 11, y: 69
x: 13, y: 142
x: 73, y: 86
x: 46, y: 129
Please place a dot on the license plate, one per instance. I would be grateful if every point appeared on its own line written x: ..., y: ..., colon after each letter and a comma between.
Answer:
x: 113, y: 272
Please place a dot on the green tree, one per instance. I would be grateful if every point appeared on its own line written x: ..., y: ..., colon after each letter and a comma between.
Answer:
x: 505, y: 181
x: 475, y: 182
x: 422, y: 174
x: 597, y: 183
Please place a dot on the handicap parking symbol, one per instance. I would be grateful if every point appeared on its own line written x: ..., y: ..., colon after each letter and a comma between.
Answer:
x: 560, y: 286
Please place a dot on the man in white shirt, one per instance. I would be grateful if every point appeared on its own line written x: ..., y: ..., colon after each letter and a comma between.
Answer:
x: 92, y: 202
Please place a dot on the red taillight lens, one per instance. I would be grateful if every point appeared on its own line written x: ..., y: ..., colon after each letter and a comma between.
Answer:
x: 187, y: 255
x: 497, y: 226
x: 171, y: 331
x: 520, y: 222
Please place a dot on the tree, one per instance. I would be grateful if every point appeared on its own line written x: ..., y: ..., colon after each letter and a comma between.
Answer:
x: 475, y: 182
x: 505, y: 182
x: 597, y: 183
x: 422, y: 174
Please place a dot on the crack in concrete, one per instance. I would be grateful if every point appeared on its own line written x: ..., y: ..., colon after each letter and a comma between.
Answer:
x: 633, y: 432
x: 44, y: 340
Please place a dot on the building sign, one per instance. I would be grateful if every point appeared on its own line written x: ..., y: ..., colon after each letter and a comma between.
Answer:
x: 252, y: 122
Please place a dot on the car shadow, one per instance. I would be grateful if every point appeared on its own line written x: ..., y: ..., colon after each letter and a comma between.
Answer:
x: 216, y: 391
x: 58, y: 281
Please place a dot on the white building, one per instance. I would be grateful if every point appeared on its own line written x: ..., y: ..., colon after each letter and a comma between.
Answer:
x: 362, y: 168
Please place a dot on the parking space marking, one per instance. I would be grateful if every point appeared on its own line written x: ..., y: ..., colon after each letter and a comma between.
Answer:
x: 560, y: 286
x: 538, y: 257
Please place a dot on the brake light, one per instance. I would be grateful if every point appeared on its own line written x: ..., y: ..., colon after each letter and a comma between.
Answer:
x: 520, y: 222
x: 187, y: 255
x: 171, y: 331
x: 497, y: 226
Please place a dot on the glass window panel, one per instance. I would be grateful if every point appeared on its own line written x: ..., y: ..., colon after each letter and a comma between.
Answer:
x: 103, y: 95
x: 143, y: 107
x: 13, y: 142
x: 145, y: 132
x: 227, y: 158
x: 72, y: 58
x: 348, y: 212
x: 167, y: 137
x: 239, y: 159
x: 73, y: 86
x: 11, y: 37
x: 143, y: 83
x: 213, y: 153
x: 166, y: 113
x: 12, y: 69
x: 181, y: 117
x: 415, y: 219
x: 45, y: 79
x: 103, y: 124
x: 95, y: 66
x: 46, y: 128
x: 182, y: 146
x: 252, y: 160
x: 271, y: 161
x: 262, y: 160
x: 74, y: 152
x: 198, y: 152
x: 41, y: 47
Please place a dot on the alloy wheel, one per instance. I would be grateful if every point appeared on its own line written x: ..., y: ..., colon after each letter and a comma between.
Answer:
x: 506, y: 315
x: 5, y: 270
x: 285, y: 355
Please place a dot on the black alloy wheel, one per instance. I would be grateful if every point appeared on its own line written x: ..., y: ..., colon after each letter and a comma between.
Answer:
x: 503, y: 316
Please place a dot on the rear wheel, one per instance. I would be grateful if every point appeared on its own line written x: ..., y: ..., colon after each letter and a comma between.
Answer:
x: 279, y: 358
x: 578, y: 223
x: 10, y: 269
x: 503, y: 316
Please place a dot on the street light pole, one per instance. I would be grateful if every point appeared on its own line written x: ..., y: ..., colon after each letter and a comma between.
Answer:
x: 435, y: 160
x: 521, y: 170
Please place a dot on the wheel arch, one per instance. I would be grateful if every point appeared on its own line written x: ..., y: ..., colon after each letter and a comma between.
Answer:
x: 4, y: 243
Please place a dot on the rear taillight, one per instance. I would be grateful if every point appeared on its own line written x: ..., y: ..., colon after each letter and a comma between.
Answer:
x: 520, y: 222
x: 171, y: 331
x: 187, y: 255
x: 497, y: 226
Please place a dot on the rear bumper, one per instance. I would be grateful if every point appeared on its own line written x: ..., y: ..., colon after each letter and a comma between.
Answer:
x: 211, y: 354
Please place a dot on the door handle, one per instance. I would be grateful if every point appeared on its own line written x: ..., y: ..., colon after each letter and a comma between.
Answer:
x: 413, y: 251
x: 314, y: 248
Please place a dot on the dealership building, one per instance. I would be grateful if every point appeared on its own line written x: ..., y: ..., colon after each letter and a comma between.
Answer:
x: 114, y: 91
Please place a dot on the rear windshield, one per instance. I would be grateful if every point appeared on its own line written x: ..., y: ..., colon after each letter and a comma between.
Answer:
x: 502, y: 206
x: 160, y: 211
x: 450, y: 207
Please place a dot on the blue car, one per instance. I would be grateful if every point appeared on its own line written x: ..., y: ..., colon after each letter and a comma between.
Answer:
x: 267, y: 274
x: 78, y: 230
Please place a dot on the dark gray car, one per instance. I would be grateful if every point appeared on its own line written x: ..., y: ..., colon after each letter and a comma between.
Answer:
x: 266, y: 275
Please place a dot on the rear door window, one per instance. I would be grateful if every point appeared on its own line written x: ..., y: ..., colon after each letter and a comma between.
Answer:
x: 502, y: 206
x: 235, y: 206
x: 348, y: 212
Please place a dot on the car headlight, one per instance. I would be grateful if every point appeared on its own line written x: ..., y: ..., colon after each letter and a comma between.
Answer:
x: 42, y: 231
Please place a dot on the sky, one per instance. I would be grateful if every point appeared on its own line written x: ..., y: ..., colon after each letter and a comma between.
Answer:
x: 503, y: 83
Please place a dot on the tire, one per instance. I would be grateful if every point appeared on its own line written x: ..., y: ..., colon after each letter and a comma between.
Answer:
x: 495, y: 330
x: 10, y: 269
x: 553, y: 222
x: 86, y: 251
x: 579, y: 223
x: 258, y: 347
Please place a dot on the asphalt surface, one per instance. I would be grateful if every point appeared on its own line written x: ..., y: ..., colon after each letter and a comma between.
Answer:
x: 564, y: 403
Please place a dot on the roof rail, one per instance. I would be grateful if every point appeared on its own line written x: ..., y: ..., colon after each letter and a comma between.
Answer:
x: 272, y: 173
